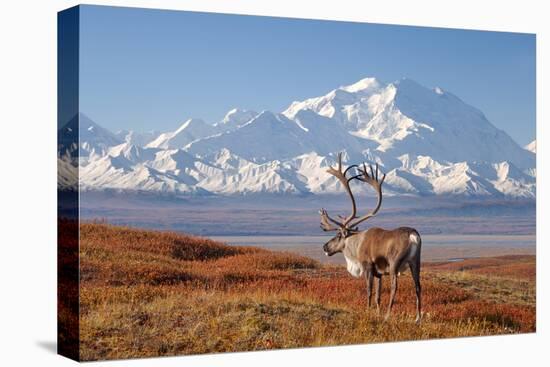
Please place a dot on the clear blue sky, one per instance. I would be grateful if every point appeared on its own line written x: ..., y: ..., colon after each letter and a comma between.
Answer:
x: 147, y: 69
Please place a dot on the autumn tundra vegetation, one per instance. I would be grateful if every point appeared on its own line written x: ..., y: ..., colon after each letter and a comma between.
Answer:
x: 149, y: 293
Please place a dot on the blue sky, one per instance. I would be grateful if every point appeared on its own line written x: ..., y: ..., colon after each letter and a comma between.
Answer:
x: 145, y: 69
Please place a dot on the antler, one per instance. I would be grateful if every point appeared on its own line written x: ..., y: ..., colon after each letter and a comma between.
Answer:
x: 376, y: 184
x: 330, y: 224
x: 326, y: 224
x: 341, y: 175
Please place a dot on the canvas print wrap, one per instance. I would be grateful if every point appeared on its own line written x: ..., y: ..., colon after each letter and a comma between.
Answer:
x: 238, y: 183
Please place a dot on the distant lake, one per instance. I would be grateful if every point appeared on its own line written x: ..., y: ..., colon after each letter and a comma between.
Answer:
x: 434, y: 247
x: 298, y: 216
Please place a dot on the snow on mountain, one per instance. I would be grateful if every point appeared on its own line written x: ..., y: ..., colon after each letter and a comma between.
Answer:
x: 311, y: 170
x: 132, y: 152
x: 271, y: 136
x: 424, y: 175
x: 511, y: 181
x: 67, y: 174
x: 180, y: 164
x: 326, y: 136
x: 234, y: 119
x: 405, y: 117
x: 119, y: 173
x: 271, y: 177
x: 94, y: 140
x: 266, y: 137
x: 135, y: 138
x: 532, y: 146
x: 428, y: 141
x: 227, y: 161
x: 347, y: 105
x: 189, y: 131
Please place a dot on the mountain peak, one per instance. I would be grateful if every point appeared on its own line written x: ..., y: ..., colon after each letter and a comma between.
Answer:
x: 409, y: 83
x: 265, y: 116
x: 236, y: 118
x: 191, y: 122
x: 364, y: 84
x: 268, y: 118
x: 189, y: 131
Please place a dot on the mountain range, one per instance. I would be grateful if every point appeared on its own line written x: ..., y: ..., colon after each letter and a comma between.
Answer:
x: 428, y: 141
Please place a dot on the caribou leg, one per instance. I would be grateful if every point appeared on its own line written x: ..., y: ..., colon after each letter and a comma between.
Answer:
x: 378, y: 292
x: 369, y: 276
x: 393, y: 280
x: 415, y: 272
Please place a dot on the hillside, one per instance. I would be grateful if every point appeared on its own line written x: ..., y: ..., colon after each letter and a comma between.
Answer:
x: 147, y: 293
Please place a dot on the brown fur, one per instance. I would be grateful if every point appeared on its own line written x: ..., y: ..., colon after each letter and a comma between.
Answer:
x: 376, y: 251
x: 382, y: 252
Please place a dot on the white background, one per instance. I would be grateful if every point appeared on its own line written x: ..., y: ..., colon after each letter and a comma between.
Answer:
x: 28, y: 181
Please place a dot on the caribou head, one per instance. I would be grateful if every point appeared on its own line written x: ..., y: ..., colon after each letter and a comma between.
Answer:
x: 347, y: 226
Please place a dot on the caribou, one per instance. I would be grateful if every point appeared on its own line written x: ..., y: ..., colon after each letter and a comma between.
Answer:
x: 373, y: 252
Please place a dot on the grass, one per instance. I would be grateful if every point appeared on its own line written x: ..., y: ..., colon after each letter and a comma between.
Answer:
x: 146, y: 293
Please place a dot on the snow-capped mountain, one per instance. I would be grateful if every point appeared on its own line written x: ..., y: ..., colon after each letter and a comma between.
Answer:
x: 235, y: 119
x: 67, y: 174
x: 406, y: 118
x: 188, y: 132
x: 94, y: 140
x: 428, y: 141
x: 268, y: 136
x: 135, y: 138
